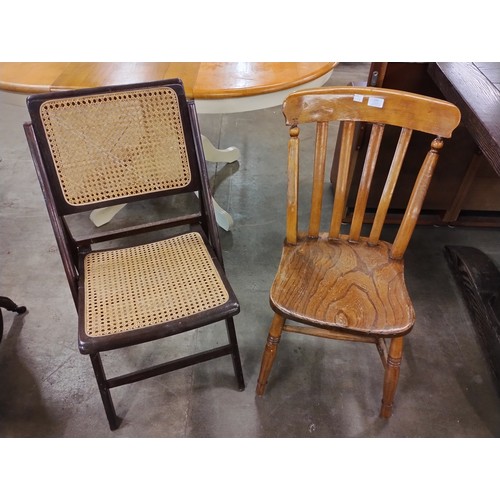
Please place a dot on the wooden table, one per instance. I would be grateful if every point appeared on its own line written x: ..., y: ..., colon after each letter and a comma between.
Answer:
x: 202, y: 80
x: 216, y: 87
x: 475, y: 89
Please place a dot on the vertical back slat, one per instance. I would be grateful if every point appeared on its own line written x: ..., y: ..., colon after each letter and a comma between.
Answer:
x: 390, y: 184
x: 293, y: 186
x: 342, y: 178
x: 366, y: 180
x: 416, y: 200
x: 318, y: 178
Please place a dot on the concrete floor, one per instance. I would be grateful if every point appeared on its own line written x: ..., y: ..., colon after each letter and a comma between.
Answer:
x: 318, y: 388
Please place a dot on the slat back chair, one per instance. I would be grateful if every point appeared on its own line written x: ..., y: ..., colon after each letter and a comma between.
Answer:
x: 94, y: 148
x: 339, y: 283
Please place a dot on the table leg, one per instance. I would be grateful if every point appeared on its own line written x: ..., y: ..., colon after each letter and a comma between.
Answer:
x: 101, y: 216
x: 223, y: 218
x: 215, y: 155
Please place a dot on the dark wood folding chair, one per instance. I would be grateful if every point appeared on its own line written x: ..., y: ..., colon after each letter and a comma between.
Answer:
x: 100, y: 147
x: 350, y: 286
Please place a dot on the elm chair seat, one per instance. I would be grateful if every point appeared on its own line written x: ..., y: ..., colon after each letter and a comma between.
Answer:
x: 372, y: 303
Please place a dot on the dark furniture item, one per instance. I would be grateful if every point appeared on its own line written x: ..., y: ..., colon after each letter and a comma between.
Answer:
x: 465, y: 189
x: 478, y: 279
x: 475, y: 89
x: 8, y: 304
x: 351, y: 286
x: 148, y: 279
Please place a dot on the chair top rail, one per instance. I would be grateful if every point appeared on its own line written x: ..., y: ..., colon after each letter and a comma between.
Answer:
x: 375, y: 105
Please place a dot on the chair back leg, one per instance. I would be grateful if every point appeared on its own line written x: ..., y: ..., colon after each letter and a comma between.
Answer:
x: 235, y: 353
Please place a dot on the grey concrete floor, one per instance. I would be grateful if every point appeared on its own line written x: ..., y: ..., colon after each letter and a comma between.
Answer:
x: 318, y: 388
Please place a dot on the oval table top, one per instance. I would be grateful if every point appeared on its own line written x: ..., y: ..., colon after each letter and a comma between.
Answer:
x: 217, y: 87
x: 202, y: 80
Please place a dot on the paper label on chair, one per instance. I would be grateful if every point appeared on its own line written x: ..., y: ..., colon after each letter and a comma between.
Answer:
x: 357, y: 98
x: 376, y: 102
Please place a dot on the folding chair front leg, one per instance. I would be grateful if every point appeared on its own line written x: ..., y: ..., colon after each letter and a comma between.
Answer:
x: 102, y: 383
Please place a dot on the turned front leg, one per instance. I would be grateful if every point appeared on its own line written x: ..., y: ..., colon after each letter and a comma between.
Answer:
x: 270, y: 352
x: 391, y: 376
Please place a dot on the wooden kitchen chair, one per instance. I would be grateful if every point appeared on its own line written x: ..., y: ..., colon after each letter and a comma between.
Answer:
x: 101, y: 147
x: 351, y: 286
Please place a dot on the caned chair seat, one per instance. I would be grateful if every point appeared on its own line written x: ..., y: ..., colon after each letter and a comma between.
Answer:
x: 369, y: 296
x: 149, y: 285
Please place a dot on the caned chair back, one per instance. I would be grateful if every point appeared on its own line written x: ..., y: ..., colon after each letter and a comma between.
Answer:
x: 114, y: 146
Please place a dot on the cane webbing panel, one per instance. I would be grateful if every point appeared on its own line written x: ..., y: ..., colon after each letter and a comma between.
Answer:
x: 111, y: 146
x: 131, y: 288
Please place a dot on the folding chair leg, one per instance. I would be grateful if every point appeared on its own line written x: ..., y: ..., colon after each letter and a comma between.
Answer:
x: 235, y: 355
x: 270, y: 352
x: 391, y: 376
x: 104, y: 390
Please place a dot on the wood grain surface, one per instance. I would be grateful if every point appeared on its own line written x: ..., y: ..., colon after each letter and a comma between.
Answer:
x: 202, y: 80
x: 474, y: 88
x: 338, y: 284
